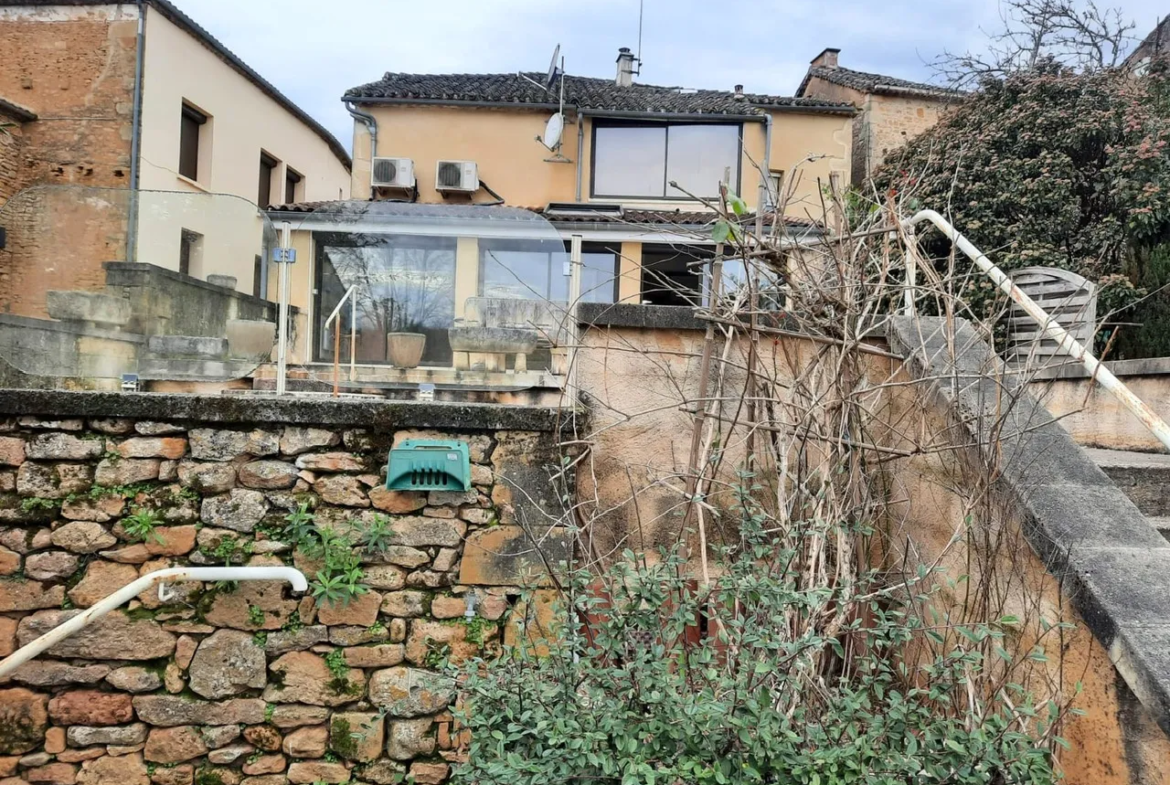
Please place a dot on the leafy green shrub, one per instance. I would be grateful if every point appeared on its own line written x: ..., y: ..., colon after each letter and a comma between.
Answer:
x: 340, y: 577
x: 767, y: 678
x: 140, y: 526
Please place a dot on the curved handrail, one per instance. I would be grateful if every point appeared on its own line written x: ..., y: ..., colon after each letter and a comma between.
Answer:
x: 1048, y: 326
x: 132, y: 590
x: 350, y: 294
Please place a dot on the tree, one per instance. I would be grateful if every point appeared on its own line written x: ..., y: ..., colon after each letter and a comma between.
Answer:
x: 1035, y: 32
x: 1054, y: 167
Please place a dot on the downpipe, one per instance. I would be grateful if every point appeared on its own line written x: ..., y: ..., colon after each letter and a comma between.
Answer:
x: 145, y: 583
x: 1049, y: 327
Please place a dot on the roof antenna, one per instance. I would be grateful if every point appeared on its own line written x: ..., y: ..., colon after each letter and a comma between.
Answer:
x: 641, y: 9
x: 554, y: 129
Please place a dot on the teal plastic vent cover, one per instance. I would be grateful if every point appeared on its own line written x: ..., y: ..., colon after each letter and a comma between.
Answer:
x: 426, y: 465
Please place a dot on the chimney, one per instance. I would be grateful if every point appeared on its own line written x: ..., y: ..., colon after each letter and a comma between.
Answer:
x: 827, y: 58
x: 738, y: 92
x: 625, y: 67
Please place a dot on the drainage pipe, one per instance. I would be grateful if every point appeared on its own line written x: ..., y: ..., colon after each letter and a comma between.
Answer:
x: 1049, y: 328
x: 145, y: 583
x: 371, y: 123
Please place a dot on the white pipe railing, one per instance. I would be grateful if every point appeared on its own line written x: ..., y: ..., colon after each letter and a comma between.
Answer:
x: 336, y: 317
x: 129, y: 592
x: 1049, y: 327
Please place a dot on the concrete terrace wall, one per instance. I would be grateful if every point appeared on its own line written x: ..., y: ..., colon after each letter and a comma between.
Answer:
x: 250, y: 685
x: 1053, y: 540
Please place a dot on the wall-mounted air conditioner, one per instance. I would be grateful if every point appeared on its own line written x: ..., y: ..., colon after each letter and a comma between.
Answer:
x: 393, y: 173
x: 457, y: 176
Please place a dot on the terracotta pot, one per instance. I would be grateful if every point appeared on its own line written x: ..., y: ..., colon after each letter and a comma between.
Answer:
x: 405, y: 349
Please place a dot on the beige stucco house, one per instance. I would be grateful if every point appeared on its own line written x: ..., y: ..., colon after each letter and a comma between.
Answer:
x: 891, y: 111
x: 122, y: 96
x: 633, y: 176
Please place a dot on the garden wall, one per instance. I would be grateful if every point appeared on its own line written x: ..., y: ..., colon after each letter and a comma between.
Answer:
x: 249, y: 684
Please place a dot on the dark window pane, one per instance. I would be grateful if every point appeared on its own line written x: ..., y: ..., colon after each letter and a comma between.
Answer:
x: 404, y: 284
x: 671, y: 276
x: 598, y: 276
x: 290, y: 186
x: 629, y: 161
x: 699, y: 156
x: 190, y: 124
x: 258, y: 277
x: 268, y: 165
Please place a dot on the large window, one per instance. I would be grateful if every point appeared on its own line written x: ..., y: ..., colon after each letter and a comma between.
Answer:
x: 525, y: 271
x: 404, y: 284
x: 641, y: 160
x: 190, y: 129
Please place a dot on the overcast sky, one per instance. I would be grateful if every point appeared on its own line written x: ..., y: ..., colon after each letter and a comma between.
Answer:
x: 313, y: 50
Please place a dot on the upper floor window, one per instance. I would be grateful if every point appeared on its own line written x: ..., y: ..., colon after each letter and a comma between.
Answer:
x: 268, y: 166
x: 292, y: 186
x: 641, y: 160
x: 190, y: 130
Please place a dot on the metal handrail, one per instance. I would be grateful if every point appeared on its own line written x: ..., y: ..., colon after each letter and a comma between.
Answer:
x: 129, y: 592
x: 336, y: 316
x: 1049, y: 327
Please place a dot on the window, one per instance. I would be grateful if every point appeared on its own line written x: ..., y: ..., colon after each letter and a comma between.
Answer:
x: 268, y: 166
x: 640, y: 161
x: 190, y: 252
x: 775, y: 187
x: 190, y: 130
x: 672, y: 276
x: 258, y: 277
x: 292, y: 181
x: 527, y: 271
x: 405, y: 283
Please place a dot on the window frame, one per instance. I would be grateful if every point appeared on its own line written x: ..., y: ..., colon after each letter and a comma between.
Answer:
x: 595, y: 247
x: 273, y: 164
x: 199, y: 118
x: 291, y: 178
x: 666, y: 124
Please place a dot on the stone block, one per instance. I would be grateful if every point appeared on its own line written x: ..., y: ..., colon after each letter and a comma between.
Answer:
x: 187, y: 346
x: 411, y: 692
x: 24, y: 715
x: 250, y: 339
x: 113, y: 637
x: 508, y: 556
x: 226, y: 281
x: 356, y: 736
x: 90, y: 307
x: 227, y: 663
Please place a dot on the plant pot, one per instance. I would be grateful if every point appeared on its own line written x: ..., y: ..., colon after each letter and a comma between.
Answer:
x: 405, y: 349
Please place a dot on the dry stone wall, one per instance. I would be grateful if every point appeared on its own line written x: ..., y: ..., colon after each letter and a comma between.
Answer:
x: 248, y: 684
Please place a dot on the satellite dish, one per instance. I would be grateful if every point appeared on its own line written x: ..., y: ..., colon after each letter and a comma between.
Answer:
x: 552, y: 68
x: 553, y: 130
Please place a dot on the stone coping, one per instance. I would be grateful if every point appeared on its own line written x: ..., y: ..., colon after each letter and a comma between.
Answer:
x: 651, y: 317
x: 72, y: 328
x: 252, y: 410
x: 1111, y: 561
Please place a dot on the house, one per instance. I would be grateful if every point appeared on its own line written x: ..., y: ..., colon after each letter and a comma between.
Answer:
x: 175, y: 139
x: 1154, y: 45
x: 891, y: 111
x: 633, y: 172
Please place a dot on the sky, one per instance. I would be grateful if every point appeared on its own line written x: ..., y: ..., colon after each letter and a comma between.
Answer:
x: 313, y: 51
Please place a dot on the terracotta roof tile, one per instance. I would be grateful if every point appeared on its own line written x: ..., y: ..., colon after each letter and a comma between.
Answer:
x: 873, y: 83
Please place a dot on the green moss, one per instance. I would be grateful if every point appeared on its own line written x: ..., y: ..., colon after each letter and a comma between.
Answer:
x: 208, y: 777
x: 341, y: 739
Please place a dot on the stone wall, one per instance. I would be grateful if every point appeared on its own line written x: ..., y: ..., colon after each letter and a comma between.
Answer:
x: 249, y: 684
x: 11, y: 138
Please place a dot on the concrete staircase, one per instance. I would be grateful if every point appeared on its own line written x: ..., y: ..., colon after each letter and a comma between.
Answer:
x: 1144, y: 478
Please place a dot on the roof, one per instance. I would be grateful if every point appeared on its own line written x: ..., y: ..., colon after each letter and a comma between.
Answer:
x: 1153, y: 44
x: 16, y: 111
x: 583, y: 92
x: 875, y: 83
x: 340, y: 212
x: 172, y: 13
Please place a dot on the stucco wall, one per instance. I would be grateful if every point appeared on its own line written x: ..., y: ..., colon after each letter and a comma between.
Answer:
x: 243, y: 122
x: 639, y: 380
x: 501, y: 142
x: 1096, y: 418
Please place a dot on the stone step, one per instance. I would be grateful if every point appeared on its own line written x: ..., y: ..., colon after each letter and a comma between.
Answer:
x: 1143, y: 477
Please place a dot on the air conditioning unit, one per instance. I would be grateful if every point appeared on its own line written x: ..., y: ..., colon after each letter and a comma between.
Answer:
x: 393, y: 173
x: 457, y: 176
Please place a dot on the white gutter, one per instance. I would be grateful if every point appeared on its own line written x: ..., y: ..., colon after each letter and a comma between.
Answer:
x: 1049, y: 328
x: 146, y: 582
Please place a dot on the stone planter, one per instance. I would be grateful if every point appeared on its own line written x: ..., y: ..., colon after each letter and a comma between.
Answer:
x: 405, y: 350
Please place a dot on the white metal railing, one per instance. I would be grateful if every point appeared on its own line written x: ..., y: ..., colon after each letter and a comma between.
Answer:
x: 129, y: 592
x: 336, y: 317
x: 1049, y: 327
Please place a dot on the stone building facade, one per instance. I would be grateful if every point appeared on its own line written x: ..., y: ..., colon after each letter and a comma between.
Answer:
x: 12, y: 120
x: 248, y: 684
x: 891, y: 111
